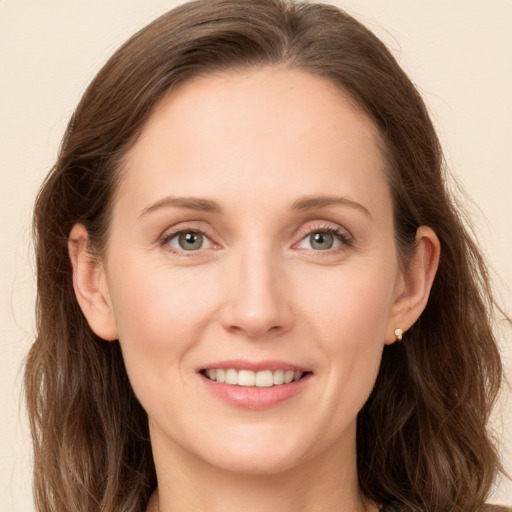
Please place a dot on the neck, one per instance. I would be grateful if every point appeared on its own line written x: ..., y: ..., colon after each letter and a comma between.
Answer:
x: 271, y: 493
x: 318, y: 485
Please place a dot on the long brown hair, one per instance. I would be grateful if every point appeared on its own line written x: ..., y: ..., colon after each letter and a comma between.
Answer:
x: 422, y: 438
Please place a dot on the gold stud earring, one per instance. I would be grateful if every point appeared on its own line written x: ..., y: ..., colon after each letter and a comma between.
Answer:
x: 399, y: 333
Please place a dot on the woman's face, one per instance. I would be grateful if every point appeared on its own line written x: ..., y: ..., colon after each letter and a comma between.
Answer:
x: 252, y: 241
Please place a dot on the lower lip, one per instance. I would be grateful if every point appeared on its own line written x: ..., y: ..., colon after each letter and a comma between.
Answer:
x: 253, y: 397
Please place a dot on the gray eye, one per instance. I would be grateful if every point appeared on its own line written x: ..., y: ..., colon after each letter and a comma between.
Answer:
x: 321, y: 241
x: 188, y: 241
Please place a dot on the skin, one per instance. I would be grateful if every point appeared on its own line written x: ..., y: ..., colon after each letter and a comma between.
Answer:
x: 256, y: 289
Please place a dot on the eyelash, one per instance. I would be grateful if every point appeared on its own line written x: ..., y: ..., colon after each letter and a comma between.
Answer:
x: 167, y: 237
x: 344, y: 238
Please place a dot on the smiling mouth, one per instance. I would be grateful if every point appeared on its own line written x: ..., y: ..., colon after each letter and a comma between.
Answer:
x: 249, y: 378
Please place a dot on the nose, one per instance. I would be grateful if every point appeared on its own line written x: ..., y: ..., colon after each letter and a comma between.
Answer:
x: 258, y: 296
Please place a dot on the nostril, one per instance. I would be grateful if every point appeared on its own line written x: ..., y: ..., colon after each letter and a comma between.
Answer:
x: 256, y: 305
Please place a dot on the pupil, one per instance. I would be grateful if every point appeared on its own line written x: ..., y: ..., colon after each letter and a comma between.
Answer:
x: 322, y: 241
x: 191, y: 241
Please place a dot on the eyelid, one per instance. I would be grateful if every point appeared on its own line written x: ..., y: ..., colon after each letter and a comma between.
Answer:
x: 171, y: 233
x: 343, y: 235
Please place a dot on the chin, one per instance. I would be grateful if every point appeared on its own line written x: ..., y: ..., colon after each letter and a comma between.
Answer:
x: 258, y: 453
x: 255, y: 464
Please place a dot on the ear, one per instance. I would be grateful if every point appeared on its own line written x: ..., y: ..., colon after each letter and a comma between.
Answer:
x: 416, y: 283
x: 90, y: 285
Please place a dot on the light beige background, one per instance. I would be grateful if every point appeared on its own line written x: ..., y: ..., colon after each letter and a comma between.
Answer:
x: 459, y: 52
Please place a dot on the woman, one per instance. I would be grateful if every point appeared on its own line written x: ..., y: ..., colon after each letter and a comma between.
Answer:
x: 253, y: 287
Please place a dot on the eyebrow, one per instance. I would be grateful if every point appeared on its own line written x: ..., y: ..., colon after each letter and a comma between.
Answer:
x: 207, y: 205
x: 317, y: 202
x: 188, y: 203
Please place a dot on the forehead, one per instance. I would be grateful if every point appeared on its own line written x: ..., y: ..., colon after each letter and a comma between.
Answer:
x: 261, y: 126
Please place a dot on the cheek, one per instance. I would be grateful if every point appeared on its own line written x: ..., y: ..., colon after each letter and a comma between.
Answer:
x: 352, y: 304
x: 159, y: 319
x: 350, y: 322
x: 153, y: 304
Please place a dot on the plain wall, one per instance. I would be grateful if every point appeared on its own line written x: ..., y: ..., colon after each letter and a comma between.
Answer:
x: 459, y: 53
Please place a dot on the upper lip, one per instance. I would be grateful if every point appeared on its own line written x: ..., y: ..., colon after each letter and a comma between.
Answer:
x: 255, y: 366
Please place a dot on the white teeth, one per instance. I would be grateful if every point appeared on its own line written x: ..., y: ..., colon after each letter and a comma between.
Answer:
x: 231, y: 376
x: 264, y: 379
x: 248, y: 378
x: 278, y: 377
x: 288, y: 376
